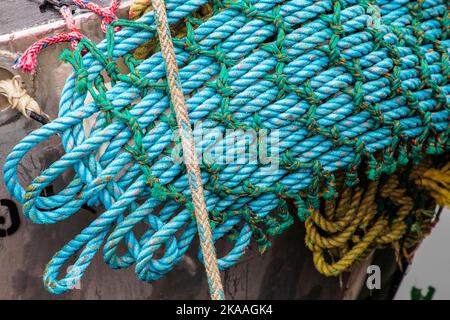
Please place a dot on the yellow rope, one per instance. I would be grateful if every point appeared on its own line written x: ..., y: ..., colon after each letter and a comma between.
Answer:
x: 349, y: 230
x: 189, y: 153
x: 139, y: 7
x: 437, y: 182
x: 18, y: 98
x: 353, y: 227
x: 346, y: 261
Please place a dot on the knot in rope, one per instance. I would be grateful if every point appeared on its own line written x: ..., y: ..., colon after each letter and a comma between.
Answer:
x: 28, y: 61
x: 18, y: 98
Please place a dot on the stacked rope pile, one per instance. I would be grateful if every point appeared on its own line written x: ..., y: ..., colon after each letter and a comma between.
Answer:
x: 346, y: 85
x: 17, y: 98
x: 391, y: 211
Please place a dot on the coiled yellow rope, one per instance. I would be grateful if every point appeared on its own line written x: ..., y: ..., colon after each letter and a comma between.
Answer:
x: 358, y: 223
x: 137, y: 9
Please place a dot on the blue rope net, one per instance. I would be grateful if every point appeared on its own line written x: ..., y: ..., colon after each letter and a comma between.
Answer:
x: 342, y: 84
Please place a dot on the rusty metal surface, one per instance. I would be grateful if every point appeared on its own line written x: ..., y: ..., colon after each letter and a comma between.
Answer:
x: 285, y: 272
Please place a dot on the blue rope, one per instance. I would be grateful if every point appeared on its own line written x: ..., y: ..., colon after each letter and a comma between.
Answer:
x: 243, y: 63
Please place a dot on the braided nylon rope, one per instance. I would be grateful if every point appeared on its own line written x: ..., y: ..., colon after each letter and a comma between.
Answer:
x: 347, y: 84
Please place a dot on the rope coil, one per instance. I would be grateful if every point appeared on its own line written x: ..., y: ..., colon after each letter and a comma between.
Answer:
x: 342, y: 94
x: 362, y: 220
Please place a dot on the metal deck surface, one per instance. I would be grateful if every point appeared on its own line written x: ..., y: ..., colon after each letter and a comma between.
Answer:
x: 22, y: 14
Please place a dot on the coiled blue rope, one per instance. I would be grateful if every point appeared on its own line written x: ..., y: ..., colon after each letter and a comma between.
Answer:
x: 233, y: 57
